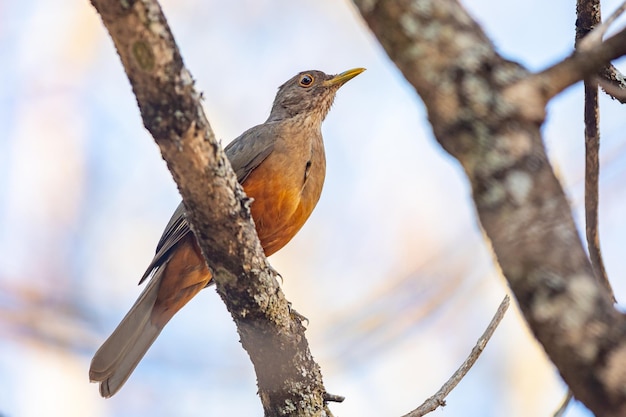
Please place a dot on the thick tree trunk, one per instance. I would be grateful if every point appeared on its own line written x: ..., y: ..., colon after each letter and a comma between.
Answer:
x: 487, y: 112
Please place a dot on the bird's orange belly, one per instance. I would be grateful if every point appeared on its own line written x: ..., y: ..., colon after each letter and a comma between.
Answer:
x: 279, y: 209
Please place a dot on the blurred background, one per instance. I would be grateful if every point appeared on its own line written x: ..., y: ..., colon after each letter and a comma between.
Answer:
x: 391, y: 269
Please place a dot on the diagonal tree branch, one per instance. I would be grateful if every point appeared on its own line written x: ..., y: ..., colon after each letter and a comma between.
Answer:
x: 534, y: 92
x: 289, y: 381
x: 613, y: 83
x: 481, y: 116
x: 437, y: 400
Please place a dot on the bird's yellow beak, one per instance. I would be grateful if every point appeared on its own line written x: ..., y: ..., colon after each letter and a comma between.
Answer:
x: 344, y: 77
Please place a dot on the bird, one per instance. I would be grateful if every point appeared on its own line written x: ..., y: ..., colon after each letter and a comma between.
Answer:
x: 281, y: 165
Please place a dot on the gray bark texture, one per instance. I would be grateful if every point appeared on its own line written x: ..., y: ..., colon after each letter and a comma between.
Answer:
x: 484, y: 110
x: 289, y: 381
x: 487, y: 113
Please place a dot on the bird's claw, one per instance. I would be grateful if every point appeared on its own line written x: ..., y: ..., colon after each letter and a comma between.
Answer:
x: 275, y: 273
x: 297, y: 315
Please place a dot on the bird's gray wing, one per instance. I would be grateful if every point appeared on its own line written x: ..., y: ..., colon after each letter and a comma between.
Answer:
x: 245, y: 153
x: 175, y: 230
x: 251, y: 148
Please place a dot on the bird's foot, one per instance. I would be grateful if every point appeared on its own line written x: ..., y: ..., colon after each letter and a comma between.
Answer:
x: 297, y: 315
x: 275, y: 272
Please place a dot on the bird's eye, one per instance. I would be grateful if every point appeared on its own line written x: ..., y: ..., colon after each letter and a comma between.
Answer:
x: 306, y: 80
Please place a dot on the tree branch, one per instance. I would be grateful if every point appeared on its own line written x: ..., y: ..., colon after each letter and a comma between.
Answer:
x: 613, y: 83
x: 588, y: 12
x: 535, y: 91
x: 560, y: 412
x: 438, y: 399
x: 467, y: 89
x: 289, y: 381
x: 589, y: 27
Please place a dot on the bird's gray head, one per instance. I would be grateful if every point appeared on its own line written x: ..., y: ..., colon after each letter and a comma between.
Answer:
x: 309, y: 94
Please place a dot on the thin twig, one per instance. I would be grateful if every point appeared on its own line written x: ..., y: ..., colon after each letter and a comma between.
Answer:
x: 589, y: 33
x: 334, y: 398
x: 613, y: 83
x: 438, y: 399
x: 592, y: 173
x: 614, y: 90
x: 566, y: 401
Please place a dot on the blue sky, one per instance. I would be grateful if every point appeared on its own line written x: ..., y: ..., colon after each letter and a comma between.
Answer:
x: 391, y: 269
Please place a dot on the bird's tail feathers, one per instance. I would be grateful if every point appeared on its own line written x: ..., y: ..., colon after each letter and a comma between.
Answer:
x: 121, y: 352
